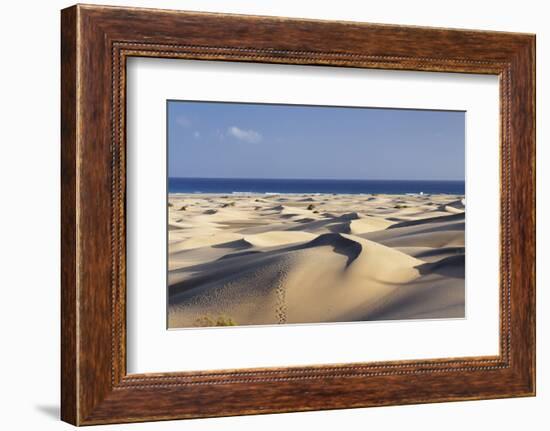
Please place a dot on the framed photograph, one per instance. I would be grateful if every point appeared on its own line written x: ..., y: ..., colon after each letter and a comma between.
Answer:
x: 264, y: 214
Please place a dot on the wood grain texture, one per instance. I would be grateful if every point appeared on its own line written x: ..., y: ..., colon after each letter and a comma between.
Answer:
x: 96, y: 41
x: 69, y: 397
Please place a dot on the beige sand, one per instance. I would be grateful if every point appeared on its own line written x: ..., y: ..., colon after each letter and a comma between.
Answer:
x: 273, y: 259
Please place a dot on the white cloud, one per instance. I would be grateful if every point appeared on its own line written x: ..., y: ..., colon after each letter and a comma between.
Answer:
x: 197, y: 134
x: 250, y: 136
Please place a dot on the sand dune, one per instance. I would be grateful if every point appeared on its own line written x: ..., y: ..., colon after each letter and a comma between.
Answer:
x: 314, y: 258
x: 436, y: 232
x: 275, y: 238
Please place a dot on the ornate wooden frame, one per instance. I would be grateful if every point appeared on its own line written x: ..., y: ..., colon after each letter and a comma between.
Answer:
x: 95, y: 42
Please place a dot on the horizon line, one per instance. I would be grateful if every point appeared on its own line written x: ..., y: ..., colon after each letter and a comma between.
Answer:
x: 313, y: 179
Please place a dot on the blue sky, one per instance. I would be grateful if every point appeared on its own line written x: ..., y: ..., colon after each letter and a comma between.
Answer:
x: 237, y: 140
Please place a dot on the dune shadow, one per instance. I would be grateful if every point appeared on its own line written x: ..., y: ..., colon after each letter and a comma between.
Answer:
x: 341, y: 245
x: 438, y: 219
x: 439, y: 251
x: 238, y: 244
x: 451, y: 266
x: 240, y: 254
x: 400, y: 304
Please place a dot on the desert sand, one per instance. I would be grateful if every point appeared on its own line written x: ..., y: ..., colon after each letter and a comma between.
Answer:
x: 276, y: 259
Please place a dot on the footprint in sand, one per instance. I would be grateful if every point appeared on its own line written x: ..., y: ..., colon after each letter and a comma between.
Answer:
x: 280, y: 292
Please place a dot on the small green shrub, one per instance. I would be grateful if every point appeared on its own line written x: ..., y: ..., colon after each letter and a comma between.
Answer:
x: 209, y: 321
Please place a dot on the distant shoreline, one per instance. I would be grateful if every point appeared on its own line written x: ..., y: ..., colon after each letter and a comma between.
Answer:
x: 316, y: 186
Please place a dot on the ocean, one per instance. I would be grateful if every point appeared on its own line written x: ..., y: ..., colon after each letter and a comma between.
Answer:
x: 299, y: 186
